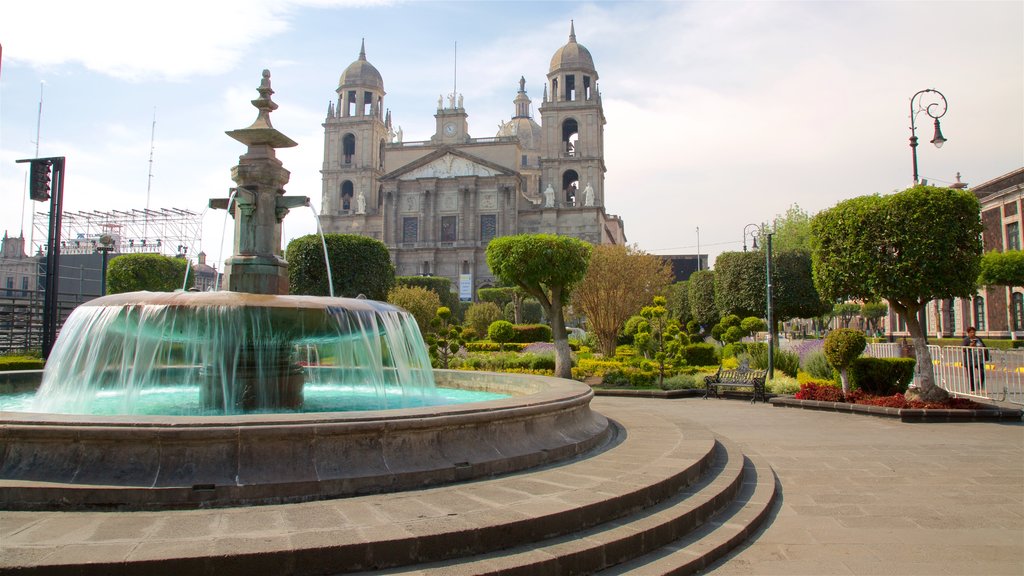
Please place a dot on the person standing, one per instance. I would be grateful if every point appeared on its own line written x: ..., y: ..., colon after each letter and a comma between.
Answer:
x: 974, y: 360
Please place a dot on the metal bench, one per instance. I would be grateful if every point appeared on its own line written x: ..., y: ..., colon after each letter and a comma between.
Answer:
x: 740, y: 378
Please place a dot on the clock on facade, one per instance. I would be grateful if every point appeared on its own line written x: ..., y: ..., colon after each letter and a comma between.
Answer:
x: 449, y: 129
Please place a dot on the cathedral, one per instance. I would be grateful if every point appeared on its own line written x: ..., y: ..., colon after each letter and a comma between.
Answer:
x: 437, y: 203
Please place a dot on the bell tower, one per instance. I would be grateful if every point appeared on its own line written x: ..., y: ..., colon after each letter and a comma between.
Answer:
x: 572, y: 158
x: 356, y: 132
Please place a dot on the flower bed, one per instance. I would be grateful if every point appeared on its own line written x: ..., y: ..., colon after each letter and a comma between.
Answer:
x: 823, y: 392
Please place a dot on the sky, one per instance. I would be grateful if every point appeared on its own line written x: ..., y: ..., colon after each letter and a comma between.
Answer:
x: 719, y: 114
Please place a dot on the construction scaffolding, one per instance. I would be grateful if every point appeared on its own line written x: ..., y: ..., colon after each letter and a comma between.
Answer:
x: 168, y: 231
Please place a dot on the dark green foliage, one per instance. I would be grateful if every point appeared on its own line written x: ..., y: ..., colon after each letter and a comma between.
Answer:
x: 151, y: 272
x: 753, y: 324
x: 509, y: 361
x: 629, y: 377
x: 528, y: 333
x: 845, y: 311
x: 679, y: 302
x: 440, y: 285
x: 501, y: 331
x: 693, y: 328
x: 702, y: 297
x: 793, y: 292
x: 733, y: 334
x: 872, y: 312
x: 359, y: 265
x: 700, y: 355
x: 1002, y: 268
x: 488, y: 346
x: 882, y: 376
x: 530, y: 312
x: 739, y: 283
x: 629, y: 330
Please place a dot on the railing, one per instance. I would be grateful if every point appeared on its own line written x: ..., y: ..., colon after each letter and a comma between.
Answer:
x: 984, y: 373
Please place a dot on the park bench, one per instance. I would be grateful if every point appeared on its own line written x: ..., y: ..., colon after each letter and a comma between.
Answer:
x: 739, y: 378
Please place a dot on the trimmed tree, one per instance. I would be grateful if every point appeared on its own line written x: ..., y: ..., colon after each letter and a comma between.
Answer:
x: 679, y: 302
x: 445, y: 339
x: 872, y: 312
x: 739, y: 283
x: 702, y: 297
x: 907, y: 248
x: 502, y: 332
x: 841, y: 347
x: 359, y: 265
x: 152, y: 272
x: 546, y: 267
x: 619, y: 281
x: 845, y: 311
x: 1002, y: 268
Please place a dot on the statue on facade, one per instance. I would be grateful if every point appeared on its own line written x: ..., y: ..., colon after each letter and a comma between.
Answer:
x: 361, y: 203
x: 398, y: 134
x: 460, y: 101
x: 588, y: 195
x: 549, y: 197
x: 440, y: 102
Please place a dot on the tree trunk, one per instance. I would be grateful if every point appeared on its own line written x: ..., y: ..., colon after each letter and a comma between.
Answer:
x: 924, y: 371
x: 563, y: 356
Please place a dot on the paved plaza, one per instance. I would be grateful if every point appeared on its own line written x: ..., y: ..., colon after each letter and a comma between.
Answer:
x: 869, y: 495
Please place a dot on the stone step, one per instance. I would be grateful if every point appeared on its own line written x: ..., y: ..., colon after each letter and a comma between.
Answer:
x: 654, y: 461
x: 712, y: 541
x: 646, y: 531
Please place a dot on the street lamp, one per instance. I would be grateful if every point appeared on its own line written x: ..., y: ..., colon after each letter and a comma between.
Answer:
x: 933, y: 110
x: 104, y: 247
x: 763, y: 231
x: 753, y: 235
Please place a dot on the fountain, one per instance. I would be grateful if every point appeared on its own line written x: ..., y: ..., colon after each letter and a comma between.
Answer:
x: 247, y: 357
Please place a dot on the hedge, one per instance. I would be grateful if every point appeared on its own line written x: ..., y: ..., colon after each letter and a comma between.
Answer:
x: 20, y: 363
x: 528, y: 333
x: 488, y: 346
x: 700, y: 354
x: 881, y: 376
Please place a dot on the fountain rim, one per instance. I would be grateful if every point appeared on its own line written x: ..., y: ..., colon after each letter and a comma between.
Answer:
x: 226, y: 298
x: 540, y: 393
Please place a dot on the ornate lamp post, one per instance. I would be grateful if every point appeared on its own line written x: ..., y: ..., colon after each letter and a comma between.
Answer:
x: 762, y: 231
x: 935, y: 109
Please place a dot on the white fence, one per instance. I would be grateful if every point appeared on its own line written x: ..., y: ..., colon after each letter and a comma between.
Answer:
x: 974, y: 372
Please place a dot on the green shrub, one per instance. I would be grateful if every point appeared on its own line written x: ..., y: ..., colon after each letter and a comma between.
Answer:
x: 359, y: 265
x: 531, y: 333
x: 501, y: 331
x: 488, y: 346
x: 469, y: 334
x: 152, y: 272
x: 753, y: 324
x: 881, y: 376
x: 683, y: 382
x: 506, y: 362
x: 421, y: 302
x: 479, y: 316
x: 630, y: 376
x: 782, y: 384
x: 733, y: 334
x: 733, y: 350
x: 787, y: 362
x: 700, y: 355
x: 20, y: 363
x: 438, y: 284
x: 817, y: 366
x: 730, y: 321
x: 841, y: 346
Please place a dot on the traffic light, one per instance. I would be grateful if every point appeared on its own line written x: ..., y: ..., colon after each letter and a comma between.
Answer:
x: 40, y: 178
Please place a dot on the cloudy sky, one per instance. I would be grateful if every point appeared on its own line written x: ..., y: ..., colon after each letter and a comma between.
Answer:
x: 719, y: 113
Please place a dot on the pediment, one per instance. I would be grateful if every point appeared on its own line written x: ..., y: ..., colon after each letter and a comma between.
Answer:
x: 449, y: 166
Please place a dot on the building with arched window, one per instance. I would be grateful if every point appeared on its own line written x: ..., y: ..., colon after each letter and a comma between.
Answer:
x: 436, y: 203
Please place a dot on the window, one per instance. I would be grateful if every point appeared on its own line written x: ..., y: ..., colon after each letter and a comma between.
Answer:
x: 410, y: 229
x: 488, y: 227
x: 1013, y: 236
x: 570, y: 186
x: 348, y: 148
x: 570, y: 137
x: 449, y: 228
x: 10, y: 285
x: 367, y: 103
x: 979, y: 313
x: 350, y: 107
x: 1017, y: 307
x: 586, y: 88
x: 24, y: 285
x: 346, y: 195
x: 570, y: 87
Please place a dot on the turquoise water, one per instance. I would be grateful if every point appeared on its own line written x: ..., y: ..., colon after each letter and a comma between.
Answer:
x: 185, y: 400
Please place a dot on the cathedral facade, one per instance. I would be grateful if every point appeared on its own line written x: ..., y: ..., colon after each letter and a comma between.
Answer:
x: 437, y: 203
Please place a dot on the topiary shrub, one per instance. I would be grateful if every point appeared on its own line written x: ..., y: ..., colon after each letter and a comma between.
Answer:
x: 881, y: 376
x: 152, y: 272
x: 841, y: 347
x: 700, y: 355
x: 733, y: 334
x: 502, y: 332
x: 733, y: 350
x: 532, y: 333
x: 359, y: 265
x: 753, y: 324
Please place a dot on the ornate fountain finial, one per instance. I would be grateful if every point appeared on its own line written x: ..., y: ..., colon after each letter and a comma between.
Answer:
x: 261, y: 131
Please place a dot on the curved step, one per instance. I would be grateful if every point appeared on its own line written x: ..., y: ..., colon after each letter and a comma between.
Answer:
x: 723, y: 533
x: 594, y: 549
x: 654, y: 460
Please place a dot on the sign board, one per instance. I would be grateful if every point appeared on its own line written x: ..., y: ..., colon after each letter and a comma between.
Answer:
x: 466, y: 287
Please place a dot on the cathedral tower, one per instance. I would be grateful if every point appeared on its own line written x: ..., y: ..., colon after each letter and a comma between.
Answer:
x: 573, y: 120
x: 355, y: 134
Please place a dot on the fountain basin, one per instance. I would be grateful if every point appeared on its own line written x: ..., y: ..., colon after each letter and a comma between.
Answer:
x: 54, y: 461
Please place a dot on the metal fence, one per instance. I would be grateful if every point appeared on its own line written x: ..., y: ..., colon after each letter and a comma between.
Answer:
x: 983, y: 373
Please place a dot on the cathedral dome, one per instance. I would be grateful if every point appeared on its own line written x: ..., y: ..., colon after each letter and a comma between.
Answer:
x: 361, y: 73
x: 573, y: 56
x: 528, y: 132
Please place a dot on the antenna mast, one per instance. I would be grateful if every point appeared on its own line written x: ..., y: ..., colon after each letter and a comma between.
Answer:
x: 455, y: 74
x: 149, y: 181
